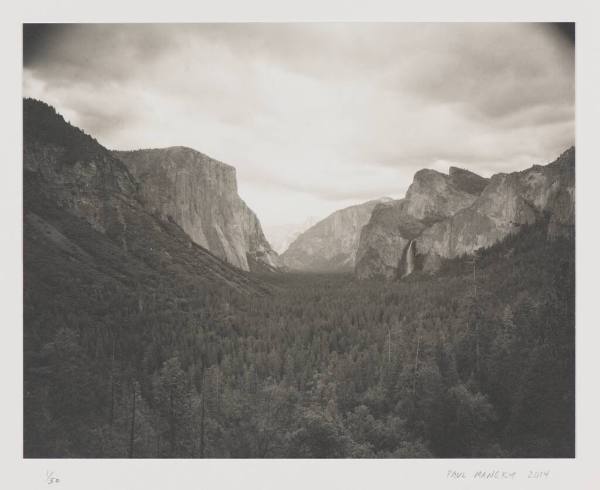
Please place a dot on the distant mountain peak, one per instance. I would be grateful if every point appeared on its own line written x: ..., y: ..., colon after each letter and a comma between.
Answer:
x: 331, y: 244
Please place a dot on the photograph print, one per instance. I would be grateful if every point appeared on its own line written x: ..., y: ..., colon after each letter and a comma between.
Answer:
x: 299, y: 240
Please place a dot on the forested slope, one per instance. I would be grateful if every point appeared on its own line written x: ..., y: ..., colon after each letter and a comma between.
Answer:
x: 450, y: 365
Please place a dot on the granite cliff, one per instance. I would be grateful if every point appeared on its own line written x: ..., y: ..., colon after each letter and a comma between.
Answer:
x: 200, y: 195
x: 448, y: 216
x: 508, y: 202
x: 432, y: 197
x: 331, y: 244
x: 82, y: 206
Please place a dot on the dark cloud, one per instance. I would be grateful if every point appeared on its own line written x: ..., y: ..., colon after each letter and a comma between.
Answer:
x: 36, y: 40
x: 92, y: 53
x: 566, y: 30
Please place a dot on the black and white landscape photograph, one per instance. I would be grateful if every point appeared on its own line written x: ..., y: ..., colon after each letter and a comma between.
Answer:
x: 298, y: 240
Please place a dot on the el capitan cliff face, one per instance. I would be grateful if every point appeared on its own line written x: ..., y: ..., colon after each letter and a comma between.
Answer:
x: 200, y: 195
x: 82, y: 209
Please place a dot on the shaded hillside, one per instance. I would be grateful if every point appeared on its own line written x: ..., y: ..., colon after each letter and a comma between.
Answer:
x: 68, y: 175
x: 100, y: 273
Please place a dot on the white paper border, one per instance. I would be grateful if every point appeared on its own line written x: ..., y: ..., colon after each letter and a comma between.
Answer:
x: 583, y: 472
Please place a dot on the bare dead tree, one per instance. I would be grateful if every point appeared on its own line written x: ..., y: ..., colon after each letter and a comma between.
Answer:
x: 389, y: 344
x: 473, y: 262
x: 112, y: 382
x: 202, y: 412
x: 416, y: 365
x: 132, y: 429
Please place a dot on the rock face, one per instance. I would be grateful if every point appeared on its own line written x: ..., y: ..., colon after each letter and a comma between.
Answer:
x: 508, y: 202
x: 432, y: 197
x: 448, y: 216
x: 76, y: 172
x: 200, y: 195
x: 331, y: 244
x: 82, y: 206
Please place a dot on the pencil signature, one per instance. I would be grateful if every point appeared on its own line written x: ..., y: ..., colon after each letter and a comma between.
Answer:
x: 51, y: 478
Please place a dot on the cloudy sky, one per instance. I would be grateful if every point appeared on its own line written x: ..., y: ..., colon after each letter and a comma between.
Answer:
x: 316, y: 117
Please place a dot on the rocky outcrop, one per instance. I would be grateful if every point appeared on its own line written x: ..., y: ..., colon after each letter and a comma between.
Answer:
x: 431, y: 198
x: 434, y: 196
x: 508, y: 202
x: 75, y: 171
x: 384, y: 238
x: 448, y: 216
x: 200, y: 195
x: 331, y: 244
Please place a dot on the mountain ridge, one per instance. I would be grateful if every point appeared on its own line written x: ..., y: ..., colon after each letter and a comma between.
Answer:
x: 489, y: 213
x: 331, y: 243
x: 70, y: 178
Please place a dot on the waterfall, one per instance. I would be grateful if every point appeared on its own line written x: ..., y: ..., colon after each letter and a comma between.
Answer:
x: 410, y: 259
